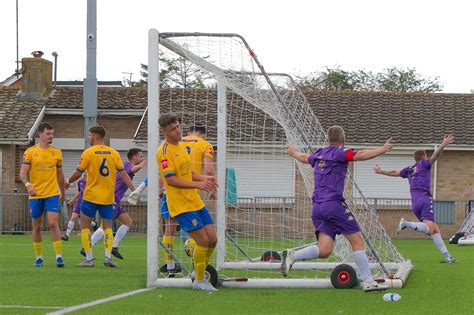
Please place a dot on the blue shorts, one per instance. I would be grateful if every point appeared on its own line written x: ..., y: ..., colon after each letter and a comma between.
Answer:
x: 194, y: 220
x: 164, y: 208
x: 41, y: 205
x: 90, y: 209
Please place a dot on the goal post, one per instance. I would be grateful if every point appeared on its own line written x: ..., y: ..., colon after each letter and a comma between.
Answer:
x: 250, y: 119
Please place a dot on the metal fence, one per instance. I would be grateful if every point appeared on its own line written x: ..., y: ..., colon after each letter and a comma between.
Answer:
x: 15, y: 215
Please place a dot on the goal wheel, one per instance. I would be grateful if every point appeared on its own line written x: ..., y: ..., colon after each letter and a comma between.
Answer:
x: 210, y: 274
x: 270, y: 256
x: 343, y: 277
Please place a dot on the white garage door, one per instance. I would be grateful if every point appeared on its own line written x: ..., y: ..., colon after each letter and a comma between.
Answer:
x: 380, y: 186
x: 264, y: 178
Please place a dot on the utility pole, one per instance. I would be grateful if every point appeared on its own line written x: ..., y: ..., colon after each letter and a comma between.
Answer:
x: 90, y: 82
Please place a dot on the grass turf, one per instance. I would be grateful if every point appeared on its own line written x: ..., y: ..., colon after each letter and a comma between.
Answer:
x: 433, y: 287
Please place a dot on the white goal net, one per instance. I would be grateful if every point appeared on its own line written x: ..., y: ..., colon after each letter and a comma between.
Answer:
x: 264, y: 204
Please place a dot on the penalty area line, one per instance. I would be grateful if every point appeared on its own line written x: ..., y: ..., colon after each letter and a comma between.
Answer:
x: 99, y: 301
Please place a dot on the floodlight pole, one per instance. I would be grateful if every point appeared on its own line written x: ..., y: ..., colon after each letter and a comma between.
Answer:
x: 90, y: 82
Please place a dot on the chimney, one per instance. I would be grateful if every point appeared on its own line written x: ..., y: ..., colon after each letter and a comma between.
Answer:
x: 36, y: 77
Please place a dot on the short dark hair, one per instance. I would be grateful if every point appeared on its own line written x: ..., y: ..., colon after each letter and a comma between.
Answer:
x: 197, y: 128
x: 98, y: 130
x: 167, y: 119
x: 131, y: 152
x: 44, y: 125
x: 419, y: 155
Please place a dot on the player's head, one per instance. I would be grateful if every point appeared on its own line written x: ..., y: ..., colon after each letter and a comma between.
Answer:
x: 336, y: 136
x: 197, y: 130
x: 96, y: 135
x: 420, y: 155
x: 46, y: 133
x: 135, y: 156
x: 169, y: 124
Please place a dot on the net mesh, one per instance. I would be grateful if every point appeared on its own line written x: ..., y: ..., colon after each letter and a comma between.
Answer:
x: 272, y: 210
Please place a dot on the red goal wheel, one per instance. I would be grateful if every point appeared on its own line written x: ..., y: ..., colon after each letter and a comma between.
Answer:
x: 270, y: 256
x: 343, y: 277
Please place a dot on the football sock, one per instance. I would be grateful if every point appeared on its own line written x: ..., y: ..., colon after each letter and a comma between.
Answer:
x: 168, y: 241
x: 418, y: 226
x: 98, y: 234
x: 362, y: 262
x: 199, y: 258
x: 108, y: 240
x: 440, y: 244
x: 209, y: 252
x: 58, y: 248
x: 122, y: 230
x: 86, y: 243
x: 309, y: 252
x: 70, y: 226
x: 38, y: 246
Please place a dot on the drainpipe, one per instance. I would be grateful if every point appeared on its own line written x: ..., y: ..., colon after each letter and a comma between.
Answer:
x: 55, y: 55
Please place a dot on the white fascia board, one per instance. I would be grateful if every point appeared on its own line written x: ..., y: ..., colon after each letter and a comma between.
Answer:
x: 78, y: 144
x: 100, y: 112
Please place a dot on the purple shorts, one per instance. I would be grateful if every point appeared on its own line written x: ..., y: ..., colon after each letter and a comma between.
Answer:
x: 118, y: 210
x: 333, y: 217
x: 423, y: 207
x: 77, y: 206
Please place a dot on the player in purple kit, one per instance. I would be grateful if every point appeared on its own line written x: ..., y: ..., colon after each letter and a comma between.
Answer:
x: 76, y: 210
x: 330, y: 214
x: 135, y: 163
x: 419, y: 178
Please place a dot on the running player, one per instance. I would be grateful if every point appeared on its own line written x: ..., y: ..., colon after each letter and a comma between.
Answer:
x: 419, y: 178
x: 41, y: 173
x: 102, y: 164
x: 330, y: 214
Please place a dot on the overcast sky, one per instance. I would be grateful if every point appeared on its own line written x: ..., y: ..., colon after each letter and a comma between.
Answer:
x: 296, y: 36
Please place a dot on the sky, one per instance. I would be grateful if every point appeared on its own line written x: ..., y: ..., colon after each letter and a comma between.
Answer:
x: 297, y: 37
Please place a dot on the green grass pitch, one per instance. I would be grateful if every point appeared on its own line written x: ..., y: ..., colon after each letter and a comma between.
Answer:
x: 433, y: 287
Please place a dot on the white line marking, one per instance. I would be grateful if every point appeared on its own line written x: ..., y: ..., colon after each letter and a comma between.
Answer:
x: 78, y: 258
x: 32, y: 307
x: 97, y: 302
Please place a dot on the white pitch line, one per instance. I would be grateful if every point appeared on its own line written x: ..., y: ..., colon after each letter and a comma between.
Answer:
x: 97, y: 302
x: 32, y: 307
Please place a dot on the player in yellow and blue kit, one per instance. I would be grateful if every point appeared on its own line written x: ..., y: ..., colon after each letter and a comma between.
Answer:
x: 201, y: 154
x: 185, y: 205
x: 102, y: 164
x: 42, y: 175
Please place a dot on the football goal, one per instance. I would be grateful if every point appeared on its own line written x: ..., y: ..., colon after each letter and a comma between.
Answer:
x: 263, y: 203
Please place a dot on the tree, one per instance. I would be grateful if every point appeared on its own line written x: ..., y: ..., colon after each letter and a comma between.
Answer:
x: 177, y: 72
x: 390, y: 80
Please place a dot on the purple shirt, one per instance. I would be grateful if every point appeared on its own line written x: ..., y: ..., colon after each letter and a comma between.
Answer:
x: 81, y: 184
x: 330, y: 170
x: 120, y: 186
x: 419, y: 177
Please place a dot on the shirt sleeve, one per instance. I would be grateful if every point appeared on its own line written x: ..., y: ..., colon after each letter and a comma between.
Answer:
x: 128, y: 168
x: 209, y: 151
x: 405, y: 172
x: 166, y: 164
x: 118, y: 162
x: 27, y: 157
x: 59, y: 162
x: 83, y: 162
x: 312, y: 158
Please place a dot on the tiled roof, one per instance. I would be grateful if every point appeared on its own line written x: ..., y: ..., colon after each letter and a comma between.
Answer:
x: 107, y: 98
x: 16, y: 118
x: 410, y: 118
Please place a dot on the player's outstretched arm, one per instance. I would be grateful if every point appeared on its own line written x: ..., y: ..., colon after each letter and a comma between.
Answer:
x: 126, y: 179
x: 206, y: 185
x: 365, y: 155
x: 297, y: 155
x: 379, y: 170
x: 75, y: 176
x: 446, y: 141
x: 138, y: 167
